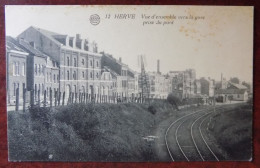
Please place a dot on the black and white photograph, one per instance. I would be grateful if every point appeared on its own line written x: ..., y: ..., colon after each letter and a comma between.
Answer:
x: 128, y: 83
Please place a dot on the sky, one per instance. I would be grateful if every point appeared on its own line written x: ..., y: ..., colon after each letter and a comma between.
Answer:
x: 211, y: 40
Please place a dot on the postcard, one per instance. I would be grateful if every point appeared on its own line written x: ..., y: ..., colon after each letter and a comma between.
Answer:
x: 129, y: 83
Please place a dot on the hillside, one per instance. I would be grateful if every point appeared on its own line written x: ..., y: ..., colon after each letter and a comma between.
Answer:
x: 80, y: 132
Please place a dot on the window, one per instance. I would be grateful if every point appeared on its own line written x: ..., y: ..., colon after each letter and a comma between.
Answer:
x: 14, y: 89
x: 13, y: 68
x: 42, y: 89
x: 75, y: 62
x: 74, y: 75
x: 75, y: 89
x: 83, y: 61
x: 23, y: 69
x: 54, y: 78
x: 40, y: 69
x: 58, y: 78
x: 68, y: 75
x: 35, y: 69
x: 50, y: 77
x: 91, y: 75
x: 97, y: 74
x: 18, y: 68
x: 68, y: 61
x: 83, y: 75
x: 91, y: 63
x: 97, y: 63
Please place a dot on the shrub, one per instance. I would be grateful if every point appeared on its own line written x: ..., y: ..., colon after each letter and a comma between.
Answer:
x: 173, y: 100
x: 152, y: 109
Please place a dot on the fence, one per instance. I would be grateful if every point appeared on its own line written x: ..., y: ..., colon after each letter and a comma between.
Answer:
x: 57, y: 98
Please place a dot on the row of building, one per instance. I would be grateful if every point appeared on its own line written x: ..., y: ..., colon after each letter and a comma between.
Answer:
x: 40, y: 60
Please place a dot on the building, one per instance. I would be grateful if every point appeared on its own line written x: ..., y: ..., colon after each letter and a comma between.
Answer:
x: 52, y: 76
x: 197, y: 89
x: 236, y: 92
x: 207, y: 87
x: 106, y: 86
x: 16, y: 69
x: 225, y: 95
x: 36, y: 62
x: 78, y: 59
x: 160, y: 85
x: 124, y: 76
x: 183, y: 83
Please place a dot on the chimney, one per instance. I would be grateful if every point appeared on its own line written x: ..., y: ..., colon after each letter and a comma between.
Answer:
x: 86, y: 45
x: 67, y: 40
x: 158, y: 66
x: 72, y: 42
x: 120, y: 59
x: 78, y: 37
x: 82, y: 44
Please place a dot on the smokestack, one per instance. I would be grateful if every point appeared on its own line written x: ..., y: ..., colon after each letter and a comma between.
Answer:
x: 78, y: 37
x: 158, y: 66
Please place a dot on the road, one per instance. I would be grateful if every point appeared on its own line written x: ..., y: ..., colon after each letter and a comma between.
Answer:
x: 185, y: 138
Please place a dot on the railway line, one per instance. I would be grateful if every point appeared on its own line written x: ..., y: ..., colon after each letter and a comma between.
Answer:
x: 185, y: 137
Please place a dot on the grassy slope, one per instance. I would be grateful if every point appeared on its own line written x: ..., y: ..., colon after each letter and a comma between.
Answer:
x: 102, y: 132
x: 233, y: 132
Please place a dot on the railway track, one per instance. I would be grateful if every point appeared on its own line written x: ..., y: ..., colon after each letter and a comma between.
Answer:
x: 184, y: 137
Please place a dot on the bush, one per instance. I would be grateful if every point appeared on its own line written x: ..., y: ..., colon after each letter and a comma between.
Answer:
x: 173, y: 100
x: 152, y: 109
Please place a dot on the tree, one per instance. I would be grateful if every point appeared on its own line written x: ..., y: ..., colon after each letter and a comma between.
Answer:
x: 234, y: 80
x: 173, y: 100
x: 246, y: 85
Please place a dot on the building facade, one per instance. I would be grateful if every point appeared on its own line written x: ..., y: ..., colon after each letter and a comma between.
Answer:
x: 16, y: 66
x: 78, y: 59
x: 184, y: 84
x: 207, y: 87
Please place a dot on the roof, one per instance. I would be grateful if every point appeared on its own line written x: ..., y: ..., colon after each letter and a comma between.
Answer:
x: 113, y: 73
x: 114, y: 59
x: 48, y: 34
x: 31, y: 49
x: 10, y: 45
x: 51, y: 35
x: 24, y: 46
x: 230, y: 91
x: 238, y: 86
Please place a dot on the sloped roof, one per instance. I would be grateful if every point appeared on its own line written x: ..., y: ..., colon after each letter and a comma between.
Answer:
x: 48, y: 34
x: 231, y: 91
x: 113, y: 73
x: 31, y: 49
x: 238, y: 86
x: 51, y: 35
x: 10, y: 45
x: 25, y: 46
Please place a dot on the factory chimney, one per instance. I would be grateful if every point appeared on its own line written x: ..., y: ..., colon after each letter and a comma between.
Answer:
x: 158, y: 66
